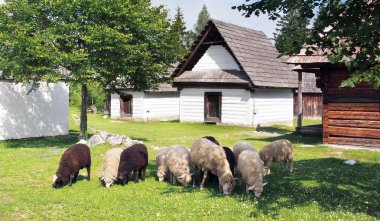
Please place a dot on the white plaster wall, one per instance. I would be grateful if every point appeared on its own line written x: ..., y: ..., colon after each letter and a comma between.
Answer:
x: 162, y: 105
x: 43, y: 112
x: 237, y: 106
x: 273, y: 106
x: 138, y: 109
x: 216, y: 57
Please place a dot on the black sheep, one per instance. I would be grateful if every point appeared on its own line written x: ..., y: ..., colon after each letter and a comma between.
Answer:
x: 133, y: 160
x: 212, y: 139
x: 72, y: 160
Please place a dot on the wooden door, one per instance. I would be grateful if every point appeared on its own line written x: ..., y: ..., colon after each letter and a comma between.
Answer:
x: 213, y: 107
x: 126, y: 105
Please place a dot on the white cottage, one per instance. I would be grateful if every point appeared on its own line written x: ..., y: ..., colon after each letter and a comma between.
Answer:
x: 43, y: 112
x: 161, y: 104
x: 232, y: 76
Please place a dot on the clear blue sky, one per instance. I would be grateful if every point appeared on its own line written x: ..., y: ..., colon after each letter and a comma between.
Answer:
x: 220, y: 10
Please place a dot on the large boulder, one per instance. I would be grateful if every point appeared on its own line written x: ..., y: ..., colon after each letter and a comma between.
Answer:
x: 115, y: 140
x: 95, y: 140
x: 104, y: 134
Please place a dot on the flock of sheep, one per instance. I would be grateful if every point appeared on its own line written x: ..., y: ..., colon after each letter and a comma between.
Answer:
x: 177, y: 163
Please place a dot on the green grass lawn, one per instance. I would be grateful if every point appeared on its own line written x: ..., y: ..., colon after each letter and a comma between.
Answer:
x: 320, y: 188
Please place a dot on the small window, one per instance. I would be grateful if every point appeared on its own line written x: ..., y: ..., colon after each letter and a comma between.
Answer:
x: 213, y: 107
x: 126, y: 105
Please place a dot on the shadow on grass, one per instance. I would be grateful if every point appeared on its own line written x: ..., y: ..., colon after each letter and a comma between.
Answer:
x: 144, y: 139
x: 292, y: 137
x: 328, y: 182
x: 278, y: 129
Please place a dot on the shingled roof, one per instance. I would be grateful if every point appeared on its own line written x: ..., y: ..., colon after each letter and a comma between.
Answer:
x: 251, y: 49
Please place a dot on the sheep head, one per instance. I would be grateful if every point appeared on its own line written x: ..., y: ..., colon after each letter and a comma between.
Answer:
x: 227, y: 183
x: 59, y: 180
x: 257, y: 189
x: 185, y: 179
x: 161, y: 175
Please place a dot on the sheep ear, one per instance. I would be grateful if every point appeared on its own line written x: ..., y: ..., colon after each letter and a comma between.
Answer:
x: 265, y: 183
x: 251, y: 188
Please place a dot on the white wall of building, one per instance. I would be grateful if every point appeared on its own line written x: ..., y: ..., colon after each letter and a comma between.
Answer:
x: 236, y: 105
x: 216, y: 57
x: 43, y: 112
x: 149, y: 106
x: 273, y: 106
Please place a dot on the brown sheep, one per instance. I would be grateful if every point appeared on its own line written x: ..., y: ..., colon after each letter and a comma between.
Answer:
x: 277, y: 151
x: 72, y: 160
x: 134, y: 160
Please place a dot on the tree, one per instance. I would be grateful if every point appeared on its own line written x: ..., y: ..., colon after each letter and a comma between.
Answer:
x: 113, y: 43
x: 348, y: 29
x: 179, y: 29
x: 203, y: 18
x: 291, y: 33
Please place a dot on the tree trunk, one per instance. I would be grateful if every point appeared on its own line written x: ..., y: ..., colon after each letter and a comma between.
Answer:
x: 83, y: 114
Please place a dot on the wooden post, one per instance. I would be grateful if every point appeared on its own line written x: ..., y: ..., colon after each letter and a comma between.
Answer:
x: 300, y: 106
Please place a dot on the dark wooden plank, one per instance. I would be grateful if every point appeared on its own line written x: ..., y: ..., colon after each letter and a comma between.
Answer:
x: 368, y: 107
x: 354, y: 115
x: 354, y: 141
x: 354, y: 123
x: 352, y: 132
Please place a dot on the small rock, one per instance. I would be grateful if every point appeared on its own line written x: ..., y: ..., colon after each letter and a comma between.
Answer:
x: 127, y: 142
x: 115, y: 140
x: 105, y: 116
x: 95, y: 140
x: 350, y: 162
x: 104, y: 134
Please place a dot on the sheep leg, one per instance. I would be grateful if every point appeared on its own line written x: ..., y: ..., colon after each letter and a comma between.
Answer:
x: 143, y: 174
x: 75, y: 177
x: 135, y: 176
x: 139, y: 174
x: 88, y: 172
x: 71, y: 180
x: 205, y: 172
x: 290, y: 165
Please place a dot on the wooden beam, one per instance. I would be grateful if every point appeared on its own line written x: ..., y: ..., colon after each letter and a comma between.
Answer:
x: 195, y: 49
x: 300, y: 106
x: 213, y: 42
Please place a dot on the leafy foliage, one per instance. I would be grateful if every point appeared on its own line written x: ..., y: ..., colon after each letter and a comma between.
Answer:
x: 349, y: 30
x: 96, y: 95
x: 291, y: 33
x: 117, y: 42
x: 203, y: 18
x: 179, y: 29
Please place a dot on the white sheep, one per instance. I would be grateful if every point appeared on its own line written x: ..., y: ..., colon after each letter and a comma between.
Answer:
x: 179, y: 164
x: 240, y: 147
x: 110, y: 166
x: 207, y: 156
x: 277, y: 151
x: 252, y: 171
x: 162, y: 169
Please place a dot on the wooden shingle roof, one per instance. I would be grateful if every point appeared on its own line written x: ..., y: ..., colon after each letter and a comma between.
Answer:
x: 251, y: 49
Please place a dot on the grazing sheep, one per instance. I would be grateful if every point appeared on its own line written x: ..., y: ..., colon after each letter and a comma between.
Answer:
x: 178, y: 163
x: 252, y: 171
x: 162, y: 169
x: 240, y: 147
x: 72, y: 160
x: 277, y: 151
x: 207, y: 156
x: 110, y: 166
x: 134, y: 160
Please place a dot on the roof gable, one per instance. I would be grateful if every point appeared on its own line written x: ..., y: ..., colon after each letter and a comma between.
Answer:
x: 216, y: 57
x: 251, y: 49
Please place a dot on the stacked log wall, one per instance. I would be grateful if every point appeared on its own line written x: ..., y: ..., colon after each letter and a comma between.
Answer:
x: 351, y: 116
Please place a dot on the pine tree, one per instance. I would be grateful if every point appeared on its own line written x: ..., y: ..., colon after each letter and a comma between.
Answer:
x: 203, y: 18
x: 291, y: 33
x: 179, y: 29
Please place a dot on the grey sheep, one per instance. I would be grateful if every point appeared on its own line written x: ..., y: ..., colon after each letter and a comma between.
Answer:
x: 252, y: 171
x: 162, y: 169
x: 240, y: 147
x: 277, y: 151
x: 110, y: 166
x: 179, y: 164
x: 207, y: 156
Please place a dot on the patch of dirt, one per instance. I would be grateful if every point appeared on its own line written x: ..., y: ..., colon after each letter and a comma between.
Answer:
x: 259, y: 134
